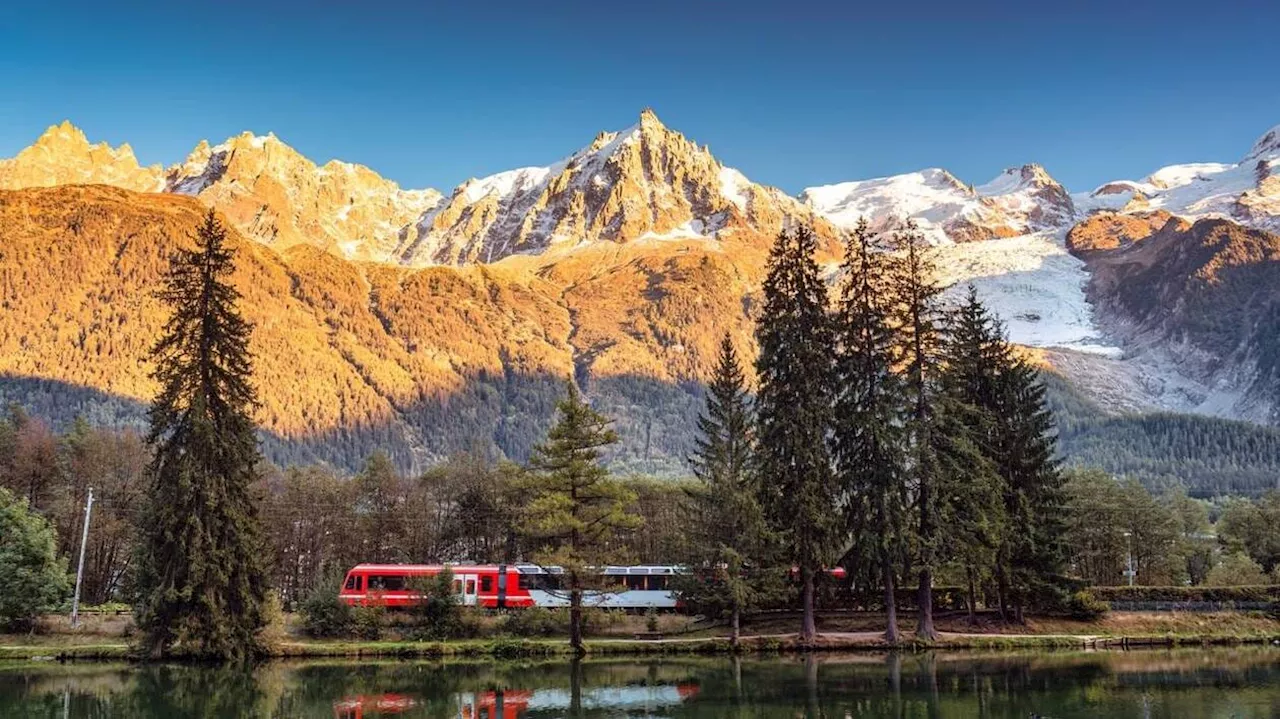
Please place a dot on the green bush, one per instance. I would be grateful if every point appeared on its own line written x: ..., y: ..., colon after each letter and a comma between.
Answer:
x: 34, y: 579
x: 366, y: 622
x: 534, y: 622
x: 1083, y: 605
x: 438, y: 615
x: 324, y: 615
x: 1235, y: 570
x: 1256, y: 593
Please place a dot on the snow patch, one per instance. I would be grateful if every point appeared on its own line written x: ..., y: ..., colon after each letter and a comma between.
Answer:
x: 1033, y: 284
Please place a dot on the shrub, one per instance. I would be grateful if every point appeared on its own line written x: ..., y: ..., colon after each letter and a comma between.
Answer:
x: 438, y: 615
x: 1235, y: 570
x: 324, y: 615
x: 533, y: 622
x: 34, y: 578
x: 1258, y: 593
x: 1083, y: 605
x: 366, y: 622
x: 273, y: 626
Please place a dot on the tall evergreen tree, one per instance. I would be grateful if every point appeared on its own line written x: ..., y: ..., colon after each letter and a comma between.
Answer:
x: 201, y: 581
x: 942, y: 459
x: 794, y: 411
x: 1015, y: 432
x: 868, y: 442
x: 575, y: 508
x: 730, y: 545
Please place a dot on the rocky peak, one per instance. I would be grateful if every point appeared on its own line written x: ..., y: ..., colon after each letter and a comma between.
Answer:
x: 279, y: 197
x: 1267, y: 146
x: 63, y: 155
x: 646, y: 182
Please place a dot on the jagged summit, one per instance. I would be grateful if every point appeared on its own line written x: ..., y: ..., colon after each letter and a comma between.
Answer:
x: 63, y: 155
x: 279, y: 197
x: 1267, y: 146
x: 646, y: 182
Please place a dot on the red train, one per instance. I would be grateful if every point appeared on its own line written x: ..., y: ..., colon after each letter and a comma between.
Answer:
x: 511, y: 586
x: 502, y: 586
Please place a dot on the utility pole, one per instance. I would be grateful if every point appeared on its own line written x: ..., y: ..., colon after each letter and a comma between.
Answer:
x: 1128, y: 550
x: 84, y: 539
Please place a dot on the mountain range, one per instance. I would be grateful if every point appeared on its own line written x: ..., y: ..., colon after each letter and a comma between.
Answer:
x: 425, y: 324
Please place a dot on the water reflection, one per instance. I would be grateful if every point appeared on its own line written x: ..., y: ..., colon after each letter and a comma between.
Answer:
x: 1202, y: 683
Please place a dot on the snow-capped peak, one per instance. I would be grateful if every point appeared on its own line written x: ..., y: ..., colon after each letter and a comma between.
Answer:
x: 1246, y: 192
x: 641, y: 183
x: 1267, y: 146
x: 1018, y: 201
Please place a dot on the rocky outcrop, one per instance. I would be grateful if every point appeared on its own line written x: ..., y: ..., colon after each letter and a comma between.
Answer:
x: 1209, y: 288
x: 1106, y: 231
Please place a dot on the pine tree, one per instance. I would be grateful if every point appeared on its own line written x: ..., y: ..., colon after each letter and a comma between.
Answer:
x: 576, y: 509
x: 868, y: 441
x: 201, y: 582
x: 794, y: 411
x: 730, y: 544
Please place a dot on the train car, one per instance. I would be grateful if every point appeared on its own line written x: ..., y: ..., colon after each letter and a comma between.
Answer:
x: 508, y: 586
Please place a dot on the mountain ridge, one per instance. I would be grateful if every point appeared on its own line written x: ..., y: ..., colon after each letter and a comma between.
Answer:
x: 427, y: 325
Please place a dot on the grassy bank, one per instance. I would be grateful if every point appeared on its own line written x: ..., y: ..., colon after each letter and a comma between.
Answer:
x: 109, y: 639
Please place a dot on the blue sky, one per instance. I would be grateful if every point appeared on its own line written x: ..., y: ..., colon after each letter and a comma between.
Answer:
x: 794, y: 94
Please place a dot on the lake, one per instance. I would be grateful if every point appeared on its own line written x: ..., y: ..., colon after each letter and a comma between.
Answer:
x: 1188, y: 684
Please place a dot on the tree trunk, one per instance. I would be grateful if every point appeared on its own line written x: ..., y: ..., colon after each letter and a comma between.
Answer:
x: 1002, y: 591
x: 1017, y: 611
x: 735, y: 623
x: 925, y: 629
x: 890, y: 602
x: 809, y: 628
x: 575, y: 621
x: 973, y: 597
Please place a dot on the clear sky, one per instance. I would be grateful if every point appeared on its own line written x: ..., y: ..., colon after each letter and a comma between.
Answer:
x: 793, y: 93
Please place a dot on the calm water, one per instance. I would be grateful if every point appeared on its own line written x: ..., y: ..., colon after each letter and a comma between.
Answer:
x: 1184, y: 684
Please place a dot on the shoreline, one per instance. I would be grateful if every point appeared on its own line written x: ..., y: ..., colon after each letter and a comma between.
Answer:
x: 504, y: 648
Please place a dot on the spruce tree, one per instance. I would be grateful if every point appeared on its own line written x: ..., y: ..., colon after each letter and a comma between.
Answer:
x: 730, y: 544
x: 942, y: 460
x: 575, y: 508
x: 794, y: 411
x: 976, y: 354
x: 868, y: 442
x: 201, y: 582
x: 1017, y: 437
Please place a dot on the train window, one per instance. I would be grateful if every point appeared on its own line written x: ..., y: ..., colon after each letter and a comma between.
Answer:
x: 457, y: 586
x: 351, y: 582
x: 471, y: 586
x: 636, y: 583
x: 523, y: 582
x: 386, y: 583
x: 658, y: 583
x: 486, y: 584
